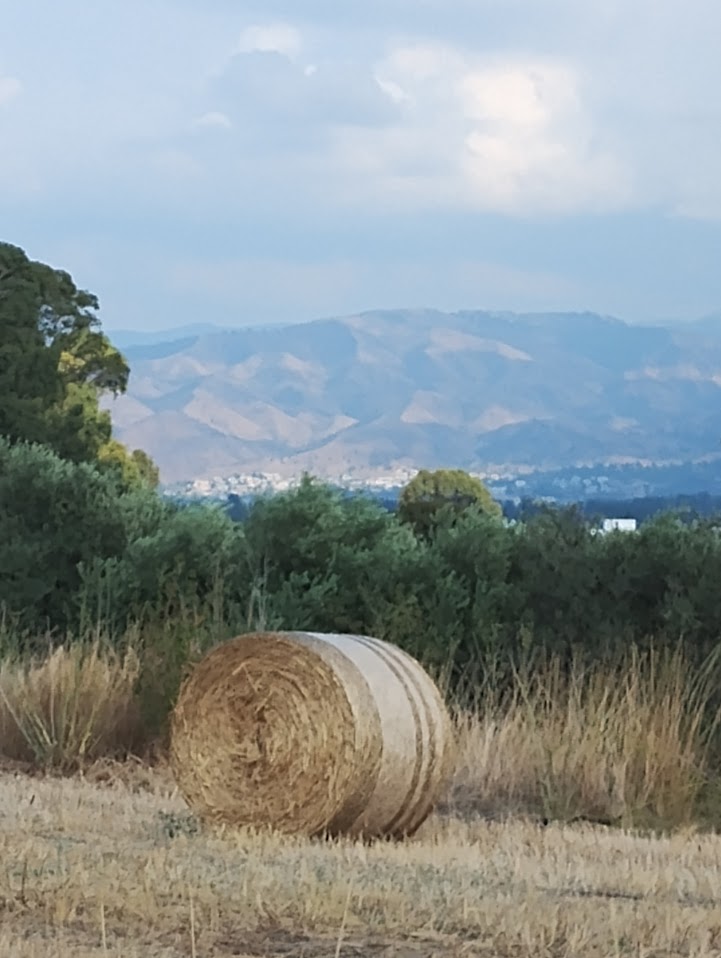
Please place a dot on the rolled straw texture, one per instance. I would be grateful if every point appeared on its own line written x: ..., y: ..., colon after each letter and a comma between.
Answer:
x: 311, y: 733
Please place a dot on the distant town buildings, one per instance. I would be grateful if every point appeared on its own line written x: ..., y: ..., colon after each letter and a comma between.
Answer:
x: 257, y: 483
x: 573, y: 484
x: 501, y: 486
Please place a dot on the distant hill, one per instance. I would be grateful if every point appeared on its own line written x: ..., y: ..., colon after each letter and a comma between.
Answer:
x: 478, y: 390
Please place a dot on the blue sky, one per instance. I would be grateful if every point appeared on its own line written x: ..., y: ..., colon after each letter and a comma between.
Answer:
x: 274, y: 161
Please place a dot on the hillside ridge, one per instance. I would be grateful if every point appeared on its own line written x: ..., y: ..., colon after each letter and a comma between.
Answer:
x: 420, y: 387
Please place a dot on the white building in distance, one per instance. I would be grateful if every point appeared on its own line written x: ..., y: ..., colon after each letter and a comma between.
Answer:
x: 623, y: 525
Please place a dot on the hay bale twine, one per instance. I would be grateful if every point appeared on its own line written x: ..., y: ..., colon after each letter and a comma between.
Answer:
x: 309, y: 733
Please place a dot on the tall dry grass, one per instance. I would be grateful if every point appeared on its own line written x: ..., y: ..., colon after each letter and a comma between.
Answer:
x: 628, y: 745
x: 69, y: 707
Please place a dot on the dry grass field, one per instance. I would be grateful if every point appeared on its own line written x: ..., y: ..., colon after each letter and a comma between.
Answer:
x: 107, y: 861
x: 111, y: 864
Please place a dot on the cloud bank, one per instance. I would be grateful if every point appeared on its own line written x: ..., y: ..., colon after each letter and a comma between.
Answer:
x: 334, y: 145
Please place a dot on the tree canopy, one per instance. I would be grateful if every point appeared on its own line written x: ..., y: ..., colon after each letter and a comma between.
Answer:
x: 453, y: 489
x: 55, y: 366
x: 55, y: 363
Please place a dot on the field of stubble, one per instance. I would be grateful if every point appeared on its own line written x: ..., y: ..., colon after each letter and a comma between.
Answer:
x: 113, y: 865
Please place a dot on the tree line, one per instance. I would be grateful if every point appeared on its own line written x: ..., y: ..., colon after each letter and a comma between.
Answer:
x: 79, y: 549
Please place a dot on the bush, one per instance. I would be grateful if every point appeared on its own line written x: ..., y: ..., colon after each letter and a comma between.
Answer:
x: 54, y: 517
x: 192, y: 564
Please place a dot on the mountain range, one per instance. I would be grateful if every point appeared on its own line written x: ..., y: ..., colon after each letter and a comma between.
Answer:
x: 485, y: 391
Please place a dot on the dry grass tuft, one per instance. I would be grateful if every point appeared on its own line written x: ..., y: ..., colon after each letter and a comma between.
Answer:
x: 628, y: 745
x: 69, y: 707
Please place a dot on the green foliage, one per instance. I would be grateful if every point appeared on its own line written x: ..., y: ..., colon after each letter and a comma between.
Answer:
x: 557, y: 577
x: 29, y: 382
x: 145, y: 469
x: 190, y: 566
x: 318, y: 556
x: 56, y: 364
x: 134, y: 468
x: 55, y: 516
x: 429, y: 494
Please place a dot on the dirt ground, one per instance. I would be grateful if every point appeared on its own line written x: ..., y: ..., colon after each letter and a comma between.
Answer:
x: 114, y: 865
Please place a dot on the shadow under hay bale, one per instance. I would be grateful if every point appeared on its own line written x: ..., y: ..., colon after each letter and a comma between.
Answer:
x: 310, y: 733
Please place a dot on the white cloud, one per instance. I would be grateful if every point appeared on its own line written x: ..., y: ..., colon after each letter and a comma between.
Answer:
x: 519, y: 95
x: 273, y: 99
x: 279, y: 37
x: 10, y: 88
x: 214, y: 119
x: 422, y: 62
x: 531, y: 145
x: 501, y: 134
x: 392, y: 90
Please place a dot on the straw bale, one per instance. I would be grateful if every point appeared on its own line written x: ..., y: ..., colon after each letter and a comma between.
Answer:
x: 309, y: 733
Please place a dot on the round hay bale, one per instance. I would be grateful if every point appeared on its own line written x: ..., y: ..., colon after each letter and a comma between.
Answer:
x: 311, y: 733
